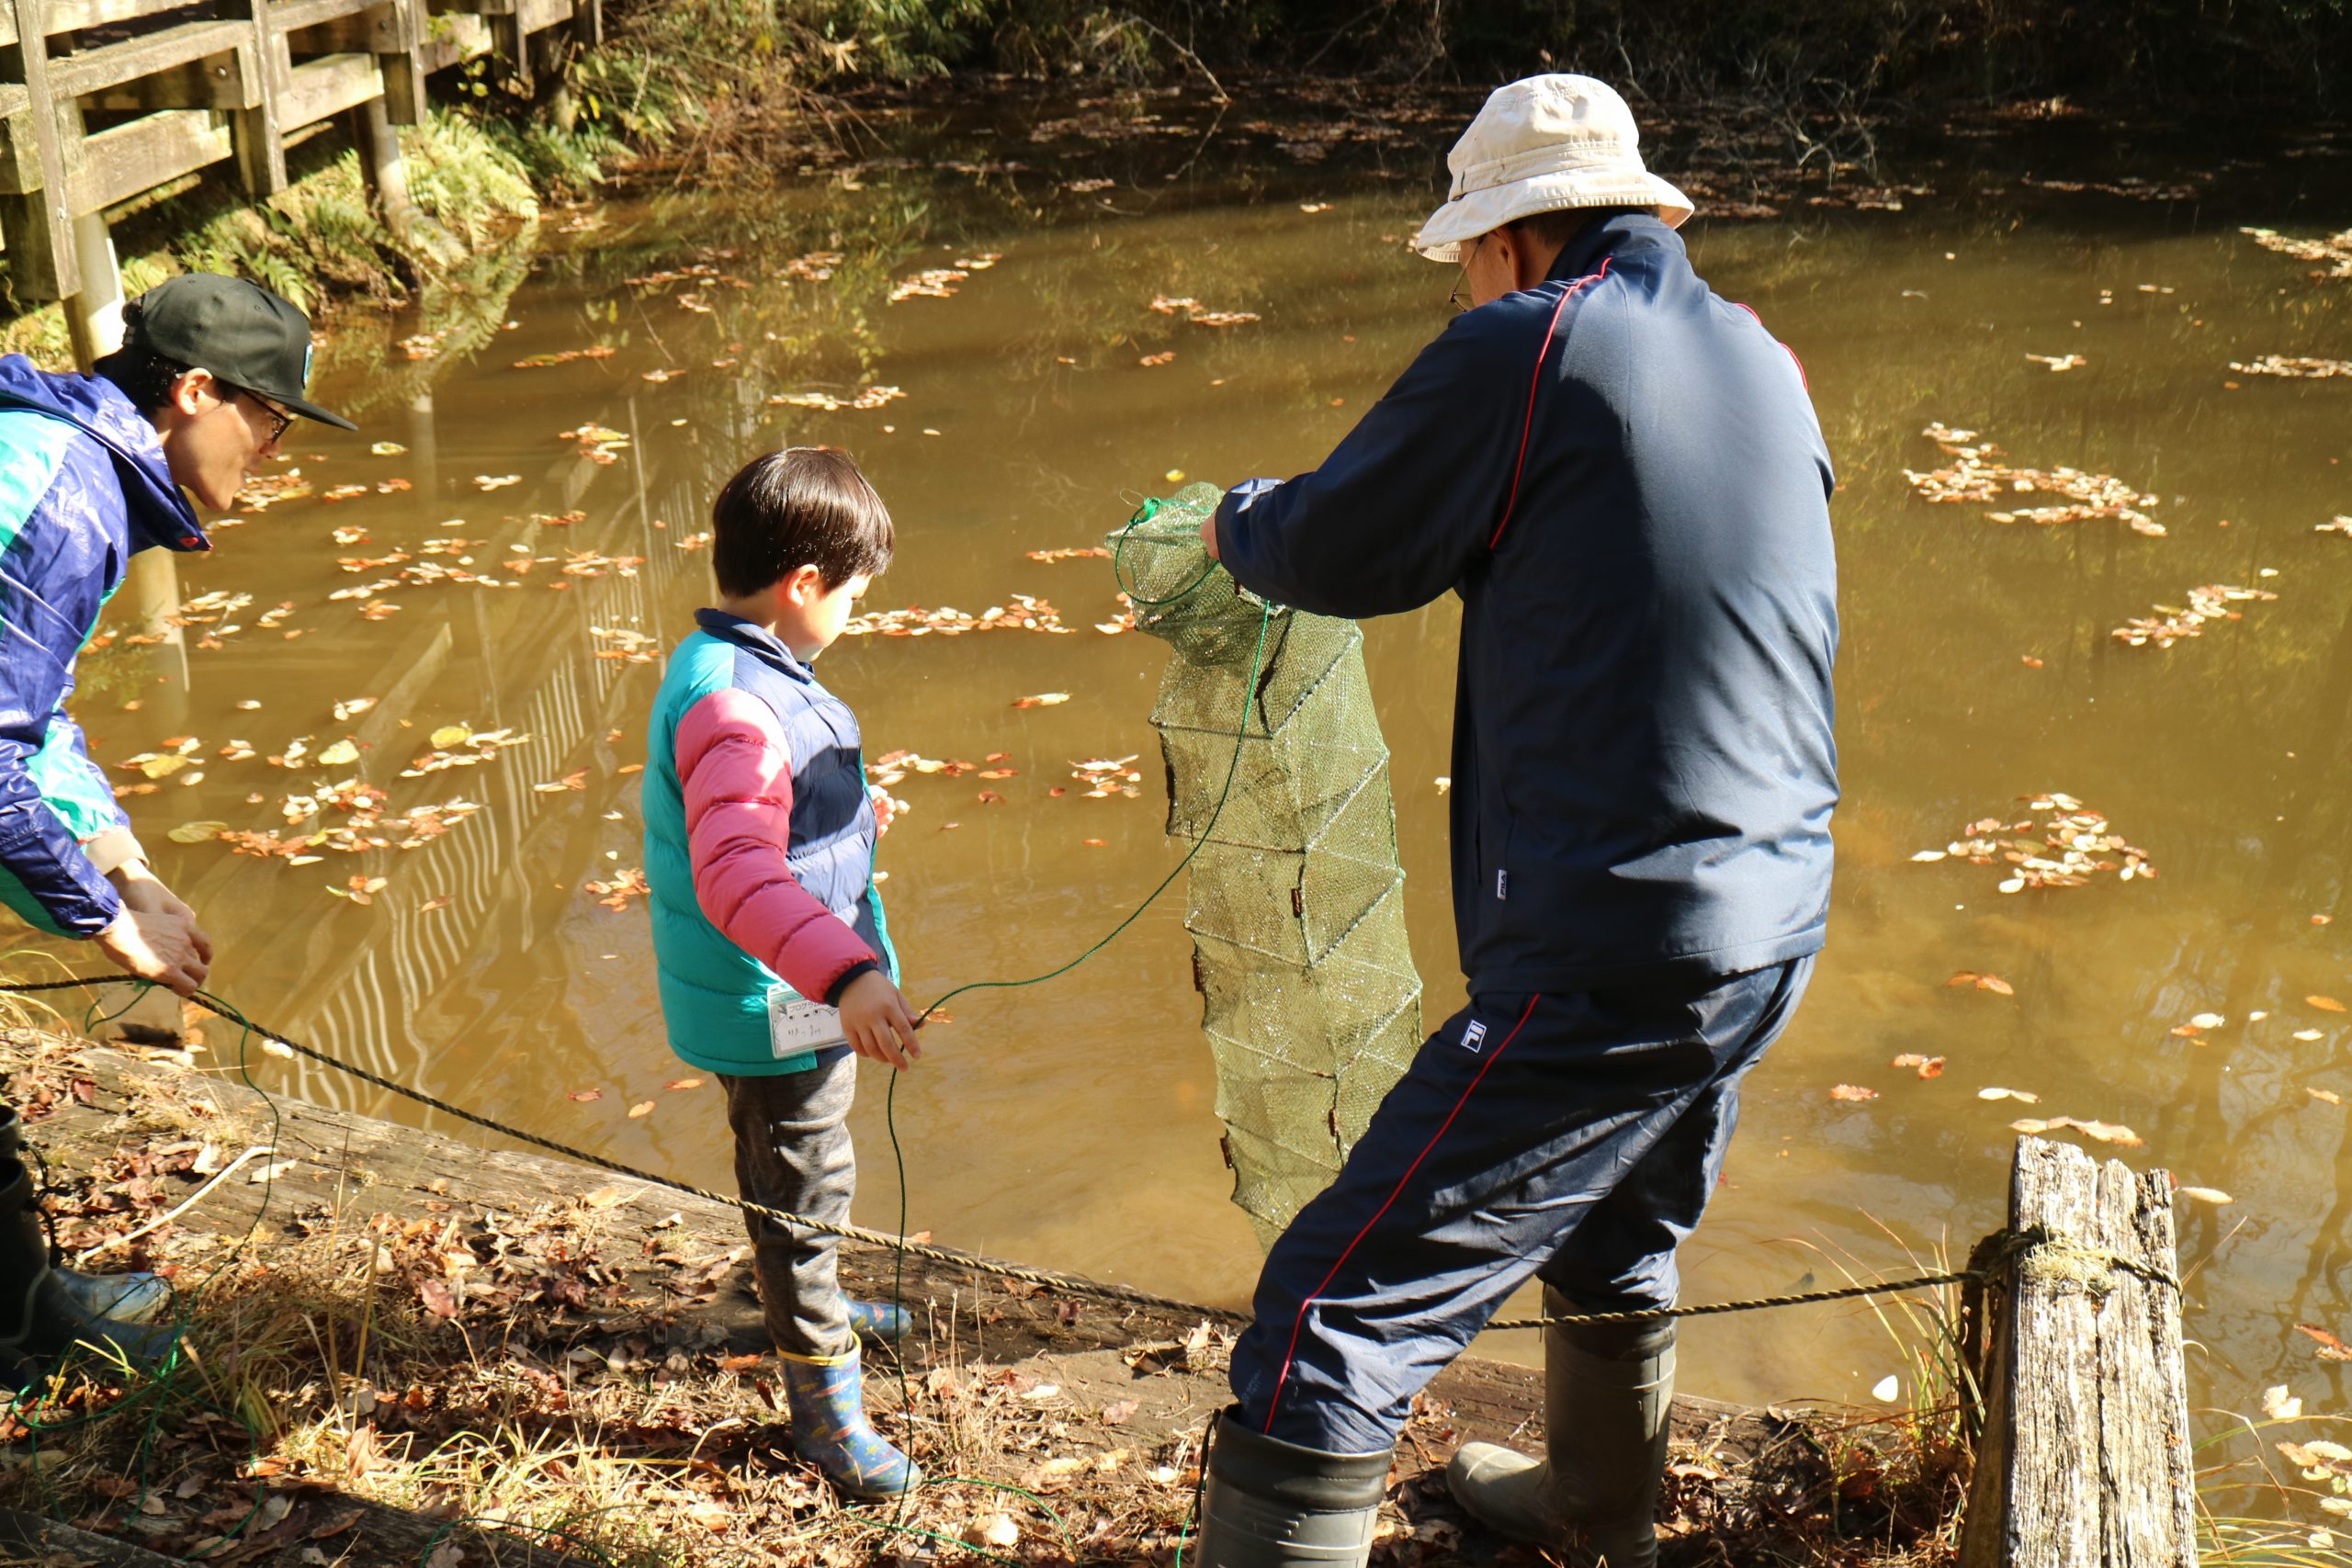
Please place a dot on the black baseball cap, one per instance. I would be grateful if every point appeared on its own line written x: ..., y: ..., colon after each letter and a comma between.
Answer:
x: 241, y: 332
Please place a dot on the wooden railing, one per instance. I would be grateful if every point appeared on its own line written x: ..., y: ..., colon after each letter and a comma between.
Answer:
x: 102, y: 101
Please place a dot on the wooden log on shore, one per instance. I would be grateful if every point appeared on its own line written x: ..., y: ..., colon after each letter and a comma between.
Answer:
x: 2084, y: 1461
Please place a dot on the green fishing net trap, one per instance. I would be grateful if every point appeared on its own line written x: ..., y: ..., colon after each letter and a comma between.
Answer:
x: 1295, y: 905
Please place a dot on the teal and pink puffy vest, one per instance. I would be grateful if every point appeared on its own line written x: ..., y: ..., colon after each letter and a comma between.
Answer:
x: 759, y: 844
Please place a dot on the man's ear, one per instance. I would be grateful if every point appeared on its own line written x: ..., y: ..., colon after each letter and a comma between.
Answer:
x: 189, y: 392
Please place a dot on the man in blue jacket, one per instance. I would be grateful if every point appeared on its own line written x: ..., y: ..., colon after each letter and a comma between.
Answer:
x: 210, y: 374
x: 1622, y: 478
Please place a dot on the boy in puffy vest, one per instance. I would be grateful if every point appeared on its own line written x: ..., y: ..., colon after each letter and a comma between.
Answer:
x: 759, y: 848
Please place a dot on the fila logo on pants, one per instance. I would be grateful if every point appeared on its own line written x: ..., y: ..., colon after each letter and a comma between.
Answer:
x: 1474, y: 1037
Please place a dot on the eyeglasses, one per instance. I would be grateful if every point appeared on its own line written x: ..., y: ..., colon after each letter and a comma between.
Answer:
x: 281, y: 420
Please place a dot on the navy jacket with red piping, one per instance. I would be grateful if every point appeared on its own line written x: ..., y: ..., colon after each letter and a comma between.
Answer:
x: 1637, y: 525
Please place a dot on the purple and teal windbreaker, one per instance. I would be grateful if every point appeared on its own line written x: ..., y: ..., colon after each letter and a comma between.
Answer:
x: 82, y: 487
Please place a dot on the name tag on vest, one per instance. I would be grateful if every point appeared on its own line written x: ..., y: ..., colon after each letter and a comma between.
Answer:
x: 796, y: 1024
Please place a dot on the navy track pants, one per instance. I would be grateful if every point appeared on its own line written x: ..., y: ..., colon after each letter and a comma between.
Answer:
x: 1571, y: 1135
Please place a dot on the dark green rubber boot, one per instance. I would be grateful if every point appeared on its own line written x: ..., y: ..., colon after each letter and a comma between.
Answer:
x: 1593, y: 1497
x: 1268, y: 1503
x: 41, y: 1320
x: 126, y: 1298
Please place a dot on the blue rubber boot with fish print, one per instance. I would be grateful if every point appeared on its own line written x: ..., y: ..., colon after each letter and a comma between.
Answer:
x: 826, y: 1397
x: 882, y: 1323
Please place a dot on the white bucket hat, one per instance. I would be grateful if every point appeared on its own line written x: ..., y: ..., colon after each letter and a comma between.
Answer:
x: 1542, y: 144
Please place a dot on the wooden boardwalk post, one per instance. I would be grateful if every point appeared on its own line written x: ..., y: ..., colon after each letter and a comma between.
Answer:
x: 2084, y: 1459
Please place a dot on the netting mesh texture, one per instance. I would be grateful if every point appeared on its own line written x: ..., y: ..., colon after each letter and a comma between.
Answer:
x: 1311, y: 1001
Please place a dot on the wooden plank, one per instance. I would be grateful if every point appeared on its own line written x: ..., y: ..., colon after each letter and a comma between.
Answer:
x: 261, y: 143
x: 537, y: 16
x: 399, y: 27
x: 20, y: 152
x: 588, y: 23
x: 71, y: 16
x: 317, y: 89
x: 451, y: 37
x: 293, y: 15
x: 7, y: 27
x: 36, y: 228
x: 119, y: 163
x: 225, y: 81
x: 2084, y: 1461
x: 96, y: 70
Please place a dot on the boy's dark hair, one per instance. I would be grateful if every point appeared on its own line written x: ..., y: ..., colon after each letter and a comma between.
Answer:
x: 802, y: 506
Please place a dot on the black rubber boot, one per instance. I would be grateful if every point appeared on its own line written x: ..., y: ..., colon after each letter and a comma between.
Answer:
x: 39, y: 1320
x: 1268, y: 1503
x: 126, y: 1298
x: 1593, y: 1497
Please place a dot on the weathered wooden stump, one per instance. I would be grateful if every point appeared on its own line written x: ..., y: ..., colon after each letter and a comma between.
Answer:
x: 2084, y: 1459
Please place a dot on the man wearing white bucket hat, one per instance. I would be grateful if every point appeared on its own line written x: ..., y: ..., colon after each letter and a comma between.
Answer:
x: 1622, y: 476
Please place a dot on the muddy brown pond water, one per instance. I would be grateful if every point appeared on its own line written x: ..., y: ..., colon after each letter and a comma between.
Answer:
x: 971, y: 311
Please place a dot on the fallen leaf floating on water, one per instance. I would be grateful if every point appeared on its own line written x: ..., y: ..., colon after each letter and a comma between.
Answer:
x: 2280, y: 1405
x: 2308, y: 1035
x: 387, y: 448
x: 361, y: 889
x: 2334, y: 250
x: 352, y: 707
x: 449, y: 742
x: 1042, y: 700
x: 1153, y: 361
x: 2330, y: 1349
x: 264, y: 491
x: 598, y: 443
x: 1991, y: 983
x: 937, y: 283
x: 1025, y: 614
x: 1200, y: 316
x: 1851, y: 1091
x: 564, y: 357
x: 1107, y: 777
x: 2170, y: 624
x: 2015, y: 1094
x: 1928, y: 1066
x: 1978, y: 475
x: 496, y: 481
x: 631, y: 646
x: 864, y: 398
x: 2341, y: 525
x: 576, y: 780
x: 625, y: 885
x: 2204, y: 1194
x: 2294, y: 368
x: 1083, y: 552
x: 585, y: 1095
x: 642, y: 1108
x: 683, y: 1083
x: 2076, y: 843
x: 430, y: 905
x: 2326, y: 1004
x: 2104, y: 1132
x: 2059, y: 361
x: 2326, y: 1096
